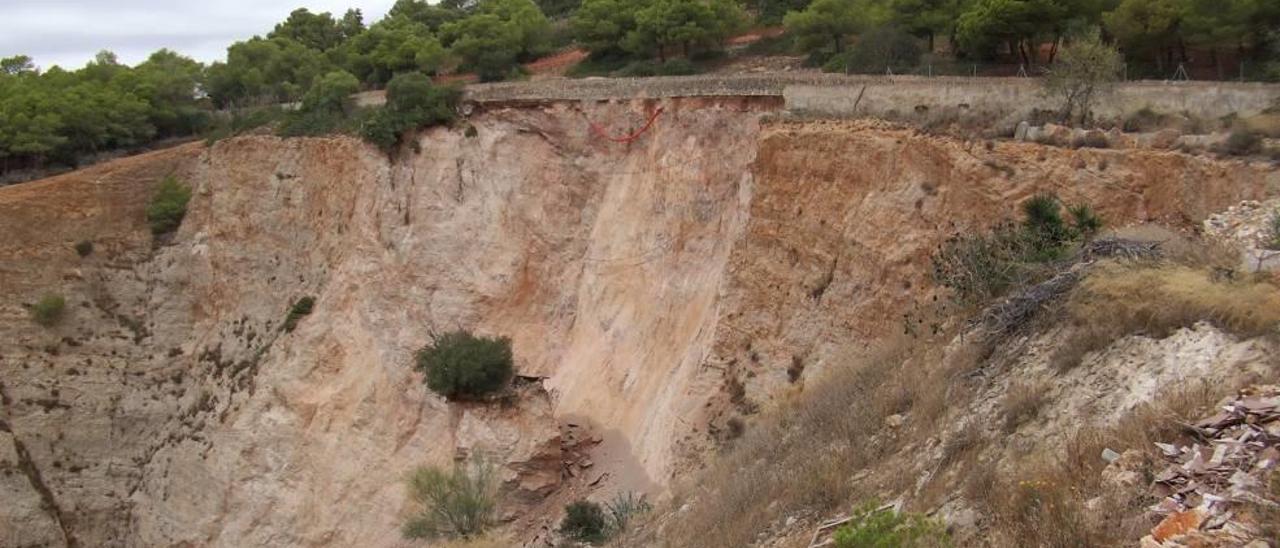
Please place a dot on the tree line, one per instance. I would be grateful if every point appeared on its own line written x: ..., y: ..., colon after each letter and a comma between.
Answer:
x: 58, y: 115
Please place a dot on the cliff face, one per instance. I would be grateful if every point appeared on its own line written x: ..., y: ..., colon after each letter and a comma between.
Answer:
x: 658, y: 287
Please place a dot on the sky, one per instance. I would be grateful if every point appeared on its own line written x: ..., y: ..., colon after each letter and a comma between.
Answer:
x: 68, y: 33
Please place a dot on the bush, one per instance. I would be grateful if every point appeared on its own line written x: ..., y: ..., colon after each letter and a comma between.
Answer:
x: 84, y: 248
x: 878, y: 50
x: 1273, y: 233
x: 1242, y: 142
x: 980, y: 267
x: 412, y: 102
x: 639, y: 69
x: 677, y: 67
x: 459, y: 365
x: 49, y: 310
x: 874, y: 527
x: 168, y: 206
x: 455, y: 503
x: 584, y: 521
x: 302, y: 307
x: 625, y: 507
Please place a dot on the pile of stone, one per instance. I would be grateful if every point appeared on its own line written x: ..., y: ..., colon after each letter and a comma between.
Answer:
x: 1215, y: 492
x: 1248, y: 225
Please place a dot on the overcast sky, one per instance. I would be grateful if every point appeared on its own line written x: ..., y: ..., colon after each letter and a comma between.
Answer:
x: 69, y: 32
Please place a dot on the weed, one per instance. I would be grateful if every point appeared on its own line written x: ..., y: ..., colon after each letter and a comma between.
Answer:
x: 454, y: 503
x: 1022, y: 402
x: 84, y: 248
x: 49, y: 310
x: 168, y: 206
x: 873, y: 525
x: 300, y: 309
x: 584, y: 521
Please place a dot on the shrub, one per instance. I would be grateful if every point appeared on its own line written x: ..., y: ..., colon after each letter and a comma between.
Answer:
x: 639, y: 69
x: 168, y: 206
x: 1145, y: 120
x: 874, y: 527
x: 979, y: 267
x: 412, y: 102
x: 677, y: 67
x: 1242, y: 142
x: 1273, y: 233
x: 584, y: 521
x: 459, y: 365
x: 1021, y: 403
x: 331, y: 93
x: 49, y: 310
x: 624, y: 508
x: 84, y: 248
x: 878, y: 50
x: 456, y: 503
x: 302, y: 307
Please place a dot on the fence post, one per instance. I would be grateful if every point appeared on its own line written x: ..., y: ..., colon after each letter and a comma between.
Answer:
x: 1241, y: 71
x: 975, y: 70
x: 1125, y: 78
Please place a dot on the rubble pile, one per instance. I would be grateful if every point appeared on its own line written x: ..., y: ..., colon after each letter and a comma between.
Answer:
x: 1248, y: 226
x: 1213, y: 490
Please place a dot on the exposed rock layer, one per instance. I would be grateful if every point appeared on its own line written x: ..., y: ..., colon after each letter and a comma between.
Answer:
x: 660, y: 286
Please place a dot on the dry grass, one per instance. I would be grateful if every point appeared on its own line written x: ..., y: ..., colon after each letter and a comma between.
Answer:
x: 1021, y: 403
x: 487, y: 541
x: 1156, y: 299
x: 800, y: 457
x: 1044, y: 502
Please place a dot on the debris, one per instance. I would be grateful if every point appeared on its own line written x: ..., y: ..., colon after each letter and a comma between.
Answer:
x: 1205, y: 482
x: 1110, y: 455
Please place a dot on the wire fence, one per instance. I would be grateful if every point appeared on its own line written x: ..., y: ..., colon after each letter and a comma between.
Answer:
x: 1243, y: 71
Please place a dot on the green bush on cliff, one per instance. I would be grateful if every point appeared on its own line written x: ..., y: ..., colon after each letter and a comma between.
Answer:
x: 301, y: 308
x: 168, y: 206
x: 584, y: 521
x: 49, y: 310
x: 978, y: 267
x: 459, y: 365
x: 873, y: 527
x: 457, y: 502
x: 412, y: 102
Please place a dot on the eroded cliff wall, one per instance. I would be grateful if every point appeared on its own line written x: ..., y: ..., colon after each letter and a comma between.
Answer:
x: 660, y: 286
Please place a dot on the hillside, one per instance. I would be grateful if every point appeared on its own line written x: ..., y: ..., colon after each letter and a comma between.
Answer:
x: 659, y: 293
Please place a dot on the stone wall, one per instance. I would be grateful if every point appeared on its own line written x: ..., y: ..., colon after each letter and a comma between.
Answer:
x: 1000, y: 99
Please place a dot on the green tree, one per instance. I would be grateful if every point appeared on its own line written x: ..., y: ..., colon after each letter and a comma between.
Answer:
x: 926, y: 18
x: 602, y: 25
x: 878, y: 49
x: 331, y: 93
x: 988, y: 24
x: 1147, y: 27
x: 556, y: 9
x: 314, y: 30
x: 419, y: 11
x: 169, y: 83
x: 392, y: 46
x: 831, y: 23
x: 1086, y: 68
x: 18, y: 64
x: 485, y: 44
x: 264, y: 71
x: 351, y: 24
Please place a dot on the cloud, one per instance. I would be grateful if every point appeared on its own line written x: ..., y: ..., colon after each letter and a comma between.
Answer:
x: 69, y: 32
